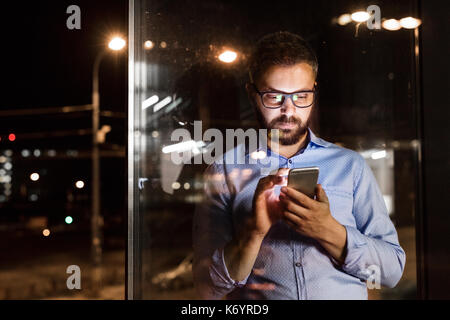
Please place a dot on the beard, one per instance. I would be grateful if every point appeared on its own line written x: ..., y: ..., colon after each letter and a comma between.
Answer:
x: 287, y: 137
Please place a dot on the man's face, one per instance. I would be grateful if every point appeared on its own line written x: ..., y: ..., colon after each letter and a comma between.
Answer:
x: 291, y: 121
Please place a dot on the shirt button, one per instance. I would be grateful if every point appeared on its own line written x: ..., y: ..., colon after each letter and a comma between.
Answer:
x: 298, y: 264
x: 290, y: 161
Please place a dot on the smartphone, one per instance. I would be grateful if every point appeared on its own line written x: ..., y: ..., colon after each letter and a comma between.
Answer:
x: 304, y: 180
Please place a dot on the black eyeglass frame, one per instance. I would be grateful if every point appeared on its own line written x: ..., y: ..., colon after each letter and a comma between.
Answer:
x: 286, y: 95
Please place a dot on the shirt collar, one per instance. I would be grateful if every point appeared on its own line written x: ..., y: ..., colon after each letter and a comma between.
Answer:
x: 316, y: 140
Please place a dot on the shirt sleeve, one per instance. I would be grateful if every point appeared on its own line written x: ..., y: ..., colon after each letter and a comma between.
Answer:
x: 212, y: 230
x: 373, y: 249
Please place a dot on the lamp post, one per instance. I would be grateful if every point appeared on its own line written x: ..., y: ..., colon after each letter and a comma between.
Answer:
x: 116, y: 44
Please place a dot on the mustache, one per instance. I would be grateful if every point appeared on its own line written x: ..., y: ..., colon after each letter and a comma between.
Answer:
x: 284, y: 120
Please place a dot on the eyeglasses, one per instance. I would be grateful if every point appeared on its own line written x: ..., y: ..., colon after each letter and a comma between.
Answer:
x: 274, y: 100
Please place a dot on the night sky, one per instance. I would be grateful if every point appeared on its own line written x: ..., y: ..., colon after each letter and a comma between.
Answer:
x: 45, y: 64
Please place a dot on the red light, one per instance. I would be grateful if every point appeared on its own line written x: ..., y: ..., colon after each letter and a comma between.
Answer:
x: 12, y: 137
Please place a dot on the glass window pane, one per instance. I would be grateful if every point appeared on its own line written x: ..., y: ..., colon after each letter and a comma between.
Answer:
x: 189, y: 74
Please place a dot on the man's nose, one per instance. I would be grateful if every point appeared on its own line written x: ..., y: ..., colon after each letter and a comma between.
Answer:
x: 288, y: 108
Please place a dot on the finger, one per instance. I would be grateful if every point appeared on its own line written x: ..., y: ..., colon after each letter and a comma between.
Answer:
x: 281, y: 176
x: 293, y: 207
x: 283, y: 171
x: 321, y: 195
x: 276, y: 178
x: 265, y: 183
x: 301, y: 198
x: 291, y: 224
x: 294, y: 219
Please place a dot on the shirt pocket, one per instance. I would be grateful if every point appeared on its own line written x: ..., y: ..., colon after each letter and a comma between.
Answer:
x: 341, y: 204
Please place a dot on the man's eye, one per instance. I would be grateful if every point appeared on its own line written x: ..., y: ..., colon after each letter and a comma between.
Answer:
x: 299, y: 97
x: 275, y: 97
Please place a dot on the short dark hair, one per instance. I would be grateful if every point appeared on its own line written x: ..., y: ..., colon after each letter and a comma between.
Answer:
x: 280, y: 48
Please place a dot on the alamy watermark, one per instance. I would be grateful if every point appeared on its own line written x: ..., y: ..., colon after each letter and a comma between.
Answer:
x: 241, y: 147
x: 74, y: 280
x: 74, y: 20
x: 374, y: 21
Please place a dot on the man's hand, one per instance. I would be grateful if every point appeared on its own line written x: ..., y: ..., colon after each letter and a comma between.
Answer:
x: 267, y: 208
x: 312, y: 218
x: 241, y: 252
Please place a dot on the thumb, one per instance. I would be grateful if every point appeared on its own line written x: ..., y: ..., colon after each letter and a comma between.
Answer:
x: 321, y: 195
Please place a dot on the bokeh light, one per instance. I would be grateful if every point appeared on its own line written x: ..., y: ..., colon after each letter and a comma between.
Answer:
x: 228, y: 56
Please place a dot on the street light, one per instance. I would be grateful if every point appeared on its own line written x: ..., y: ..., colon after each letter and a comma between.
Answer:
x: 228, y: 56
x: 391, y: 25
x: 360, y: 16
x: 116, y: 44
x: 410, y: 23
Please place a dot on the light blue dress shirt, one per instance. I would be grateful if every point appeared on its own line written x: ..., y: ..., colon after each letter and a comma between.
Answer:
x: 293, y: 266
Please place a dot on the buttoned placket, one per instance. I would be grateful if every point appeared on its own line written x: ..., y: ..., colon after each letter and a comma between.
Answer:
x: 297, y: 247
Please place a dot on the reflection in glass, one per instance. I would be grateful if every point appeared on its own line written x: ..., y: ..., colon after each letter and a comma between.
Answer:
x: 191, y: 65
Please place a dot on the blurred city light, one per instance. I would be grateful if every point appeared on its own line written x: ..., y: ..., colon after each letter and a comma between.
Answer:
x: 37, y: 153
x: 101, y: 134
x: 34, y: 197
x: 149, y: 102
x: 117, y: 44
x: 184, y: 146
x: 187, y: 186
x: 12, y: 137
x: 72, y: 153
x: 68, y: 220
x: 162, y: 104
x: 79, y: 184
x: 410, y: 23
x: 8, y: 166
x: 149, y: 45
x: 176, y: 185
x: 258, y: 155
x: 46, y: 232
x: 174, y: 104
x: 3, y: 159
x: 378, y: 155
x: 51, y: 153
x: 163, y: 44
x: 360, y: 16
x: 155, y: 134
x: 34, y: 177
x: 228, y: 56
x: 25, y: 153
x: 5, y: 179
x: 344, y: 19
x: 391, y: 25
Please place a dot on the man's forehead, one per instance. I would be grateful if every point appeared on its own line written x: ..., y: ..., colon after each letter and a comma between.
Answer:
x: 287, y: 78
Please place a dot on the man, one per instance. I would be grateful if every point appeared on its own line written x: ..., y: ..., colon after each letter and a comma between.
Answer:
x: 256, y: 238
